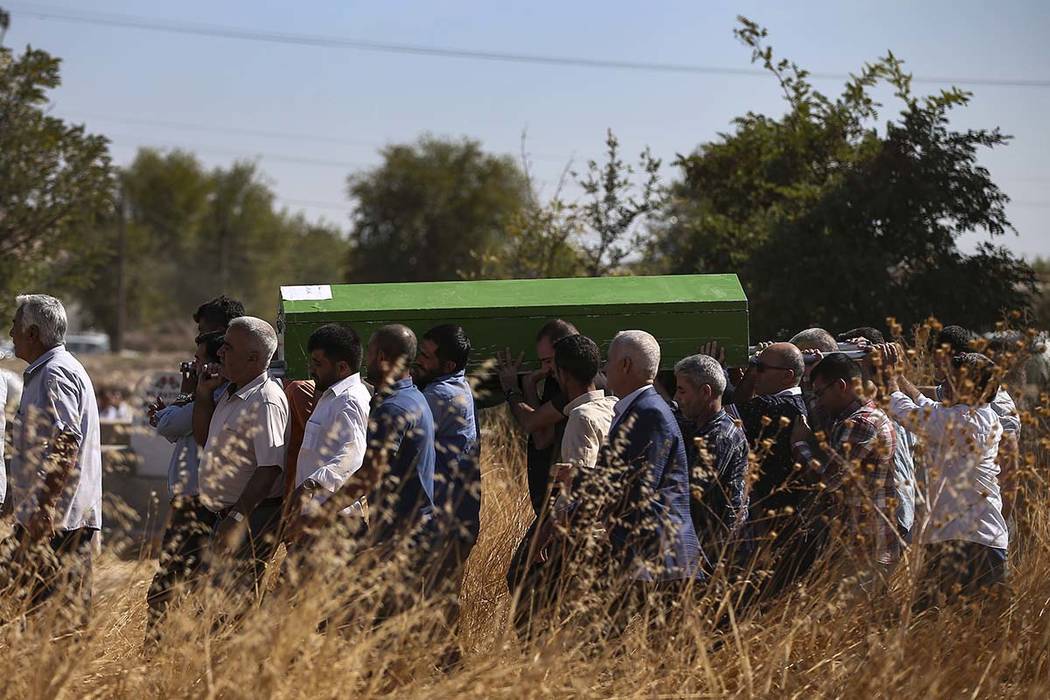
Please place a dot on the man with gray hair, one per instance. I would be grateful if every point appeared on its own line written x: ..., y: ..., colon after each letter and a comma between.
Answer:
x: 718, y: 455
x: 55, y: 487
x: 815, y: 339
x: 639, y: 489
x: 243, y: 435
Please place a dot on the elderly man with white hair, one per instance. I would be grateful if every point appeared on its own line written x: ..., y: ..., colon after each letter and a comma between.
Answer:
x: 55, y: 487
x: 244, y: 450
x: 717, y: 449
x: 639, y: 489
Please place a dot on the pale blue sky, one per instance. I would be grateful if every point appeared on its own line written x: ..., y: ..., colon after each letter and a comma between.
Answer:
x: 114, y: 77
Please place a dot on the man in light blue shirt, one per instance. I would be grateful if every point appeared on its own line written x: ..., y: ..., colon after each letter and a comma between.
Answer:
x: 190, y: 523
x: 55, y: 485
x: 441, y: 371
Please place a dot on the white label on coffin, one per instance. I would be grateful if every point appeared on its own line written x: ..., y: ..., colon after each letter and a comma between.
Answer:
x: 307, y: 292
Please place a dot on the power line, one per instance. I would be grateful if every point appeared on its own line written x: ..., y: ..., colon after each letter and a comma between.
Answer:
x: 253, y: 154
x: 46, y: 12
x: 281, y: 135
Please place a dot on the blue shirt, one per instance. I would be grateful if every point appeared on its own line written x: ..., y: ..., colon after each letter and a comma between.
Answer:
x: 457, y: 472
x: 57, y: 399
x: 401, y: 438
x: 175, y: 424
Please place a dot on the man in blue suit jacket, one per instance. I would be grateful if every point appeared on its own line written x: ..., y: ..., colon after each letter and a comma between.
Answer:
x: 639, y: 489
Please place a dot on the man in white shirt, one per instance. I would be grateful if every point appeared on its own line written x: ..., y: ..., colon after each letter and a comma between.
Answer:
x: 244, y: 438
x: 964, y: 535
x: 334, y: 439
x: 589, y: 413
x: 55, y: 487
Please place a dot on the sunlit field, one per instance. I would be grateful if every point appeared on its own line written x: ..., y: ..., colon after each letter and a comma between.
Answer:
x: 820, y: 639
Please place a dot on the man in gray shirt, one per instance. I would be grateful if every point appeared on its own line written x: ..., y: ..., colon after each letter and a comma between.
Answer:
x: 55, y: 484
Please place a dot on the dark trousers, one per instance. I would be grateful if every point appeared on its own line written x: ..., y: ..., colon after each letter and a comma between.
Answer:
x: 533, y: 584
x: 244, y: 574
x: 56, y: 571
x: 183, y: 549
x: 445, y: 579
x: 956, y: 569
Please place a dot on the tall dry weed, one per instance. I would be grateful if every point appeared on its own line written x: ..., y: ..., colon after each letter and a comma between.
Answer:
x: 314, y: 634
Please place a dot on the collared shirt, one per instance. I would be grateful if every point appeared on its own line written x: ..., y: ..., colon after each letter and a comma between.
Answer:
x: 334, y: 438
x: 718, y: 461
x: 57, y: 398
x: 457, y: 448
x: 621, y: 406
x: 301, y: 399
x: 962, y: 491
x: 401, y: 440
x: 859, y: 464
x: 3, y: 421
x: 1004, y: 406
x: 904, y: 479
x: 175, y: 424
x: 770, y: 417
x: 590, y: 417
x: 247, y: 431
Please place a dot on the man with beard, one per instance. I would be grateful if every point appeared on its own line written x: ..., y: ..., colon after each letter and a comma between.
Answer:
x: 333, y: 445
x: 441, y: 372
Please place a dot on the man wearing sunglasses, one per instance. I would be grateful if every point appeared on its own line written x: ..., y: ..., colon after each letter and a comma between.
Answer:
x: 855, y: 465
x: 769, y: 401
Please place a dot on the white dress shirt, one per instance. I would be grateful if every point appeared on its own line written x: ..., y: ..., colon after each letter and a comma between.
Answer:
x: 962, y: 493
x: 334, y: 439
x: 248, y: 430
x: 57, y: 397
x: 3, y: 423
x: 590, y: 416
x: 624, y: 403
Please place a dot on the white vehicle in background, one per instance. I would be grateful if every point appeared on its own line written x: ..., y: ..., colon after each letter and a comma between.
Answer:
x: 7, y: 350
x: 87, y: 343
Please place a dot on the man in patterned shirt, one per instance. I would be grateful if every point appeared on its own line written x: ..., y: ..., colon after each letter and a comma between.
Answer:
x: 854, y: 462
x: 717, y: 449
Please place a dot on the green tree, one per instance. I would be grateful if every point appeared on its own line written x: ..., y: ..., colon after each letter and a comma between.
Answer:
x: 615, y: 207
x: 830, y: 221
x: 55, y: 183
x: 434, y: 210
x: 193, y: 233
x: 593, y: 236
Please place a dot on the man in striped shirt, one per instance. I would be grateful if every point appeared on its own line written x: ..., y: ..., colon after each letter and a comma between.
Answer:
x: 855, y: 464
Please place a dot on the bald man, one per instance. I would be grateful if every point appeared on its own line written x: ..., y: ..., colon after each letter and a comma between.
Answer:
x: 769, y: 401
x: 397, y: 474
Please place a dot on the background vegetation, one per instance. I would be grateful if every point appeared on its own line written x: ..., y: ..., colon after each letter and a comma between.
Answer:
x: 866, y: 209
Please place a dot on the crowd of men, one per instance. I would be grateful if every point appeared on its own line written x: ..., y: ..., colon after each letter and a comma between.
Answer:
x: 746, y: 476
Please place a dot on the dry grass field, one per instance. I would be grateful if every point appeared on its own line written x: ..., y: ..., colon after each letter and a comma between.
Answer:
x: 818, y: 641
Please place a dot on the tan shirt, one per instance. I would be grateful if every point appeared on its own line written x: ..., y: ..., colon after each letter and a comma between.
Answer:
x: 248, y: 430
x: 589, y: 419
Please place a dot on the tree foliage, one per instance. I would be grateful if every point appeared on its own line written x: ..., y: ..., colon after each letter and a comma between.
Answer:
x: 828, y: 220
x: 55, y: 182
x: 595, y: 235
x: 436, y: 209
x: 193, y: 233
x: 615, y: 207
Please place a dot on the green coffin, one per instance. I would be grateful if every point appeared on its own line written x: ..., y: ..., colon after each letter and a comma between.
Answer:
x: 682, y: 311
